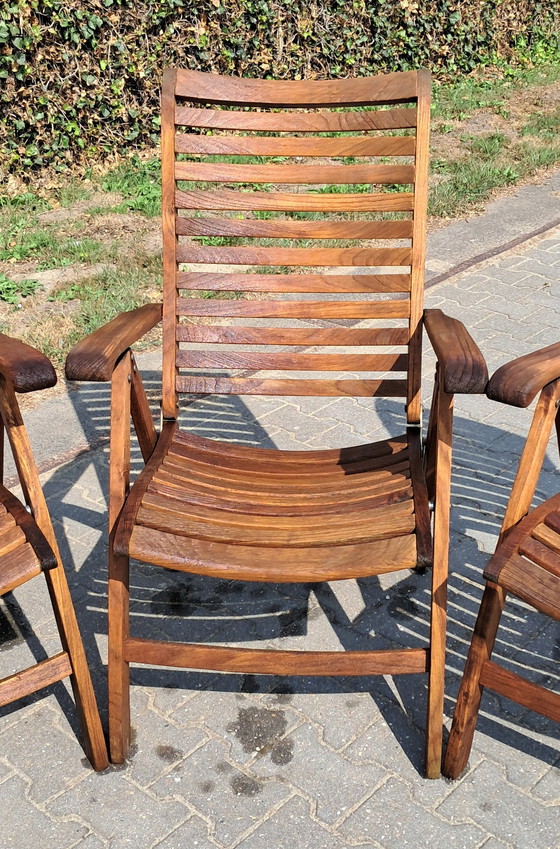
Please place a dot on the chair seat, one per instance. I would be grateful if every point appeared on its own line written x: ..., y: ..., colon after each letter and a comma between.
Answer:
x: 24, y: 552
x: 527, y: 563
x: 212, y: 507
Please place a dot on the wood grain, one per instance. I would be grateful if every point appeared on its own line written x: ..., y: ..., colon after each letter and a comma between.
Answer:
x: 296, y: 387
x: 221, y: 172
x: 237, y: 282
x: 294, y: 202
x: 36, y: 677
x: 261, y: 661
x: 294, y: 256
x: 26, y: 367
x: 358, y: 91
x: 297, y: 122
x: 293, y: 309
x: 95, y: 357
x: 518, y: 382
x: 463, y: 367
x: 295, y: 362
x: 334, y: 146
x: 289, y: 228
x: 343, y: 337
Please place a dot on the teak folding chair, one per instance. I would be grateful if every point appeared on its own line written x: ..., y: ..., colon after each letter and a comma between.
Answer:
x: 252, y: 514
x: 28, y: 548
x: 526, y: 562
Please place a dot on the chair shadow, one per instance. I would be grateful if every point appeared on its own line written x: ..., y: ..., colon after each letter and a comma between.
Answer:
x: 167, y: 605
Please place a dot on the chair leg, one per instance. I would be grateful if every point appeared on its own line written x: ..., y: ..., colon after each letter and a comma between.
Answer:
x: 470, y: 692
x: 438, y: 617
x: 94, y: 740
x: 118, y: 667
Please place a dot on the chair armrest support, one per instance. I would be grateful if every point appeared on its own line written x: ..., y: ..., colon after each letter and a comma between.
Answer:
x: 95, y: 357
x: 24, y: 366
x: 518, y: 382
x: 463, y: 368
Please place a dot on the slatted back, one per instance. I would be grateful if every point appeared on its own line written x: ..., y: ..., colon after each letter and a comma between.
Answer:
x: 294, y: 235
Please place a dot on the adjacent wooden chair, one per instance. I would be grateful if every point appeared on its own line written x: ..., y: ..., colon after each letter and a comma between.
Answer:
x: 28, y: 548
x: 233, y: 150
x: 526, y: 562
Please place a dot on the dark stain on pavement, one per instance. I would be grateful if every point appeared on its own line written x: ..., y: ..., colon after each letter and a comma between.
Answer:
x: 242, y: 785
x: 169, y: 754
x: 260, y: 730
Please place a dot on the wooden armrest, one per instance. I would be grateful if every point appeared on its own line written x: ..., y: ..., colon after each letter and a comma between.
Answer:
x: 519, y: 381
x: 463, y: 368
x: 26, y: 367
x: 95, y: 357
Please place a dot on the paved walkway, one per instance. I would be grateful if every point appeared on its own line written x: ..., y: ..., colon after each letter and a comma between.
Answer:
x: 245, y: 761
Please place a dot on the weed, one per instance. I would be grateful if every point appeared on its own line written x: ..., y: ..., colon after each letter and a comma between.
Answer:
x: 139, y: 184
x: 11, y: 292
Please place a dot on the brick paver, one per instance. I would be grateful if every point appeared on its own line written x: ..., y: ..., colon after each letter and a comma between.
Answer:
x: 246, y: 761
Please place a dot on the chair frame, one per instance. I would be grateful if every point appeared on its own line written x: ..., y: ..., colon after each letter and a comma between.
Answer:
x: 517, y: 384
x: 106, y: 355
x: 23, y: 369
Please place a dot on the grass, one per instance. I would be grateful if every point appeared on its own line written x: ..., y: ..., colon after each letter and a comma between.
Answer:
x: 96, y: 300
x: 139, y: 183
x: 12, y: 292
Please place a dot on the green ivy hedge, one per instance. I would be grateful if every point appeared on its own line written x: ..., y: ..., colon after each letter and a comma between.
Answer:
x: 82, y: 78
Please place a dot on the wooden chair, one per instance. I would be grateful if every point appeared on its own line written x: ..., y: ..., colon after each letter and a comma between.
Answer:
x: 28, y: 548
x: 526, y: 562
x: 252, y: 514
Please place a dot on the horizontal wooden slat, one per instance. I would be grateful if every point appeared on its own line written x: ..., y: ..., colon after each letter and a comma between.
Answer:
x: 18, y: 566
x: 188, y: 520
x: 305, y: 479
x: 347, y: 337
x: 280, y: 565
x: 34, y: 678
x: 10, y: 539
x: 548, y: 537
x: 308, y: 201
x: 215, y: 145
x: 317, y: 388
x: 526, y: 693
x: 217, y: 452
x: 288, y: 228
x: 541, y: 555
x: 357, y: 91
x: 531, y: 583
x: 235, y: 282
x: 271, y: 256
x: 276, y: 662
x: 257, y: 360
x: 297, y: 122
x: 286, y: 504
x: 212, y: 172
x: 293, y: 309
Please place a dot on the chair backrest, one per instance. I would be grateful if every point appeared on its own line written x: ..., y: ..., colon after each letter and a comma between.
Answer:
x: 304, y: 204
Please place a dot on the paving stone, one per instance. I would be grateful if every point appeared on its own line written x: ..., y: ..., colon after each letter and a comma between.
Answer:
x: 341, y: 716
x: 524, y: 822
x: 35, y: 739
x: 158, y: 745
x: 193, y: 832
x: 314, y: 769
x: 548, y: 788
x: 394, y: 819
x: 232, y: 799
x: 117, y: 811
x: 23, y: 824
x: 293, y: 826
